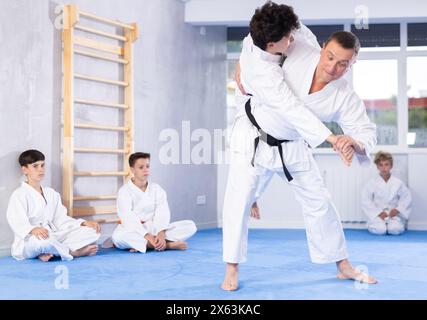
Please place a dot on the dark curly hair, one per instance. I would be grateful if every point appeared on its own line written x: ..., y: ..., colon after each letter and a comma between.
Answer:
x: 271, y: 23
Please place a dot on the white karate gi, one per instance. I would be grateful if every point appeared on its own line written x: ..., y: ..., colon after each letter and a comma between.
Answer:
x: 335, y: 102
x: 379, y: 196
x: 29, y: 209
x: 146, y: 212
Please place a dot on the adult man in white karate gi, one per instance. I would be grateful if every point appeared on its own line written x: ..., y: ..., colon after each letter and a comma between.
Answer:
x: 316, y: 79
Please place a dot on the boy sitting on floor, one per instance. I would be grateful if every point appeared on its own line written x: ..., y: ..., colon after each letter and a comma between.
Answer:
x: 144, y: 212
x: 40, y: 222
x: 386, y: 200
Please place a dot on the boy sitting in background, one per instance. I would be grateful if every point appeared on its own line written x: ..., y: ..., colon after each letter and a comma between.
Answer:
x: 386, y: 200
x: 144, y: 213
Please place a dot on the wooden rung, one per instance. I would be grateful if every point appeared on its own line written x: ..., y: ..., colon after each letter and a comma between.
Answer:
x: 100, y: 56
x: 99, y: 173
x: 105, y: 20
x: 97, y: 45
x: 90, y: 211
x: 112, y: 220
x: 97, y: 79
x: 99, y: 127
x: 88, y: 198
x: 99, y: 150
x: 101, y: 33
x: 100, y: 103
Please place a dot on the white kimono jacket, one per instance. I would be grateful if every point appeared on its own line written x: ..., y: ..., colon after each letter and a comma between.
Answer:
x: 281, y: 111
x: 379, y: 196
x: 336, y: 102
x: 28, y: 209
x: 143, y: 212
x: 135, y: 205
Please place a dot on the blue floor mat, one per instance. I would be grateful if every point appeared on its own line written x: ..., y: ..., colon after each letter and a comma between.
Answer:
x: 278, y: 267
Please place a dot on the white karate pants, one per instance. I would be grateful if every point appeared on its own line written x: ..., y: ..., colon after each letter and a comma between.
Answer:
x: 130, y: 239
x: 394, y: 226
x: 324, y: 230
x: 60, y: 243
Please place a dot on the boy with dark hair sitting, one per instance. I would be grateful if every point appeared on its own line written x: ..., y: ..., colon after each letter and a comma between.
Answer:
x: 40, y: 222
x: 144, y: 213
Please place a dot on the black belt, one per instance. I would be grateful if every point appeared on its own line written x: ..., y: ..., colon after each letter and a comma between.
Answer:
x: 270, y: 140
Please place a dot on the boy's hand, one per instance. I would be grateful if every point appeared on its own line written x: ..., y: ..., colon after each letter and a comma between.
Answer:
x: 255, y: 211
x: 40, y: 233
x: 383, y: 215
x: 92, y: 224
x: 160, y: 241
x: 393, y: 213
x: 237, y: 79
x: 150, y: 238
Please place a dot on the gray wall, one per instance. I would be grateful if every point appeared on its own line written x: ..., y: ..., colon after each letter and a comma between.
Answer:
x: 179, y: 75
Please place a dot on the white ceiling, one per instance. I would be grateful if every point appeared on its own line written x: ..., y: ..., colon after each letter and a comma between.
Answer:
x: 239, y: 12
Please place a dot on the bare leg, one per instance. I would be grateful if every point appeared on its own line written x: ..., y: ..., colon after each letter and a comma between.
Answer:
x: 176, y: 245
x: 255, y: 211
x: 89, y: 250
x: 347, y: 271
x: 231, y: 279
x: 45, y: 257
x: 133, y: 250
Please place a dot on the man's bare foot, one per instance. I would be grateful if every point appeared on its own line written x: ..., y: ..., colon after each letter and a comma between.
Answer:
x: 133, y: 250
x: 255, y: 211
x: 89, y: 250
x: 231, y: 279
x: 176, y: 245
x: 347, y: 272
x: 45, y: 257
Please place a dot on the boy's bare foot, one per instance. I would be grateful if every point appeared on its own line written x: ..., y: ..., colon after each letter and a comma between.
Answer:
x: 133, y: 250
x: 45, y: 257
x: 347, y: 272
x: 89, y: 250
x: 231, y: 278
x: 255, y: 211
x: 176, y: 245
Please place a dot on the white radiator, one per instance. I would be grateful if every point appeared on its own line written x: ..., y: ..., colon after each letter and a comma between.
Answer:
x: 345, y: 185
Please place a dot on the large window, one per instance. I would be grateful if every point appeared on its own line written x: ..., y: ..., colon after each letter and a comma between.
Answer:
x: 417, y: 36
x: 234, y: 38
x: 231, y: 87
x: 417, y: 101
x: 385, y: 35
x: 417, y: 84
x: 375, y: 81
